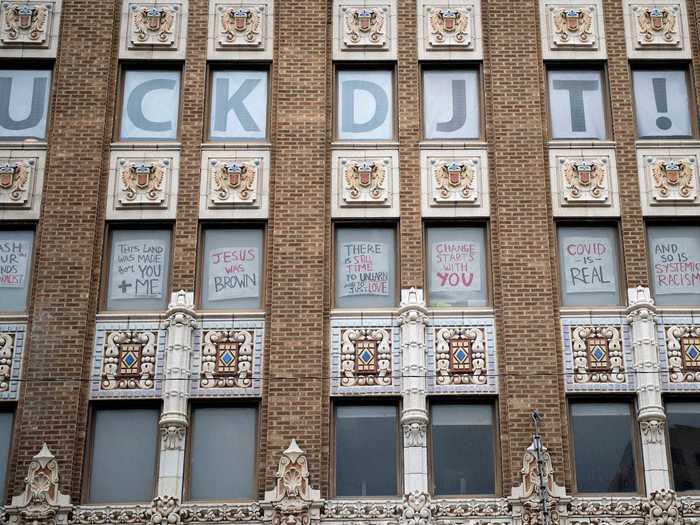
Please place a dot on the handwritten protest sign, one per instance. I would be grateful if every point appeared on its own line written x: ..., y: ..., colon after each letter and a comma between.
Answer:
x: 138, y: 269
x: 455, y: 266
x: 14, y: 262
x: 233, y: 273
x: 676, y: 265
x: 365, y: 269
x: 589, y: 265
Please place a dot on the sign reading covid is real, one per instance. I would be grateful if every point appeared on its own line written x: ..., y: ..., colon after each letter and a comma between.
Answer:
x: 589, y: 265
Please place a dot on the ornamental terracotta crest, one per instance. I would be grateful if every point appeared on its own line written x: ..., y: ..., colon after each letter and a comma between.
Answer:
x: 142, y: 182
x: 227, y: 359
x: 365, y: 27
x: 573, y: 22
x: 153, y: 25
x: 449, y: 26
x: 7, y: 347
x: 597, y: 354
x: 454, y: 181
x: 460, y: 356
x: 586, y: 181
x: 240, y: 25
x: 683, y: 347
x: 14, y: 177
x: 365, y: 357
x: 364, y: 181
x: 129, y: 361
x: 655, y: 22
x: 25, y: 23
x: 232, y: 176
x: 674, y: 180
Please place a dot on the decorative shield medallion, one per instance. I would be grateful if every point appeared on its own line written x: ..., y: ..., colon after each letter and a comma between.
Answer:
x: 573, y: 16
x: 657, y: 19
x: 154, y: 21
x: 455, y: 179
x: 454, y: 171
x: 24, y: 16
x: 235, y: 172
x: 24, y: 22
x: 449, y: 20
x: 239, y: 176
x: 144, y: 172
x: 365, y: 171
x: 144, y: 178
x: 364, y: 18
x: 240, y: 19
x: 153, y: 18
x: 584, y: 170
x: 586, y: 181
x: 7, y: 175
x: 13, y: 178
x: 658, y: 22
x: 673, y: 177
x: 673, y: 172
x: 364, y: 181
x: 364, y: 26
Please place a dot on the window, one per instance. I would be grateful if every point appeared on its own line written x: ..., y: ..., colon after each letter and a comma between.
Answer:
x: 604, y: 450
x: 24, y: 103
x: 222, y: 464
x: 366, y: 450
x: 124, y: 455
x: 16, y: 248
x: 238, y: 105
x: 576, y: 104
x: 589, y: 266
x: 139, y: 270
x: 366, y: 105
x: 365, y: 267
x: 675, y: 264
x: 662, y: 103
x: 457, y: 266
x: 462, y: 443
x: 6, y: 421
x: 451, y: 104
x: 150, y: 105
x: 232, y: 274
x: 684, y: 436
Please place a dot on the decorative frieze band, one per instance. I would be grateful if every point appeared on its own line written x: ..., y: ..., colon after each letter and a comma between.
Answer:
x: 679, y: 348
x: 12, y: 337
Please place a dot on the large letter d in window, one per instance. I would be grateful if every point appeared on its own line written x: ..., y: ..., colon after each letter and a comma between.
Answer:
x: 365, y: 101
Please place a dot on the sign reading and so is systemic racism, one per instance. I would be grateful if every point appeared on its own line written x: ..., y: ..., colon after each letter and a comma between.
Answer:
x: 365, y: 269
x: 14, y: 262
x: 138, y: 269
x: 589, y: 265
x: 455, y: 266
x: 676, y: 265
x: 233, y: 273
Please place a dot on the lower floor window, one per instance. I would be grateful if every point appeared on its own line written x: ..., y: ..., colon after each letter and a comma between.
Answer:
x: 6, y: 420
x: 124, y: 455
x: 684, y: 437
x: 462, y: 443
x: 604, y: 447
x: 366, y: 450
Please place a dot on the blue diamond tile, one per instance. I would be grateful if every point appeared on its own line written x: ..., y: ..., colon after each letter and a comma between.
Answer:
x: 129, y: 360
x: 366, y: 356
x: 598, y: 353
x: 693, y: 352
x: 227, y: 358
x: 461, y: 355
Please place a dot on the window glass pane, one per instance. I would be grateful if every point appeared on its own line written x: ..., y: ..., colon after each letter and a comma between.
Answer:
x: 139, y: 270
x: 232, y: 268
x: 463, y: 449
x: 239, y: 105
x: 223, y: 453
x: 589, y: 266
x: 684, y: 435
x: 457, y: 267
x: 451, y: 104
x: 604, y: 461
x: 675, y: 264
x: 150, y: 105
x: 365, y: 451
x: 576, y: 104
x: 661, y: 102
x: 6, y: 419
x: 15, y: 269
x: 366, y: 105
x: 124, y: 455
x: 24, y: 103
x: 365, y: 267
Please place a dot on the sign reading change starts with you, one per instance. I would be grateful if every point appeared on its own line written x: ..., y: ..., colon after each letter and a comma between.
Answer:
x: 456, y: 266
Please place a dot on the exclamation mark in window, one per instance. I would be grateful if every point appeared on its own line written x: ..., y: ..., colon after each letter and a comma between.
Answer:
x: 661, y: 98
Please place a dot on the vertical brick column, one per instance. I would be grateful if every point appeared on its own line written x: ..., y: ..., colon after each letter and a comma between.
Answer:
x: 528, y: 350
x: 52, y: 404
x: 296, y: 352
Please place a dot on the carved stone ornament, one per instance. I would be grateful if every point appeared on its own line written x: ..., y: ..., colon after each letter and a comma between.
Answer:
x: 414, y: 434
x: 652, y: 431
x: 25, y: 23
x: 41, y: 503
x: 365, y: 357
x: 449, y: 27
x: 573, y: 26
x: 129, y: 361
x: 239, y: 26
x: 365, y: 27
x: 173, y: 437
x: 683, y: 347
x: 227, y: 359
x: 365, y: 181
x: 460, y: 355
x: 153, y: 25
x: 234, y: 182
x: 663, y: 508
x: 585, y: 181
x: 597, y: 354
x: 142, y: 183
x: 7, y: 350
x: 417, y: 509
x: 15, y: 182
x: 454, y: 181
x: 166, y: 510
x: 673, y: 180
x: 657, y: 26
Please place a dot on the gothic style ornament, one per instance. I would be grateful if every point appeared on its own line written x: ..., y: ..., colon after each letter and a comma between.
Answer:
x: 227, y: 359
x: 153, y: 25
x: 454, y: 181
x: 449, y: 26
x: 239, y: 177
x: 417, y: 509
x: 7, y: 348
x: 240, y: 25
x: 598, y: 356
x: 655, y: 22
x: 683, y: 347
x: 663, y: 508
x: 25, y: 23
x: 142, y: 182
x: 460, y: 356
x: 14, y: 178
x: 674, y: 180
x: 364, y: 26
x: 166, y: 510
x: 365, y: 181
x: 365, y: 357
x: 129, y: 361
x: 652, y: 431
x: 573, y: 22
x: 586, y: 181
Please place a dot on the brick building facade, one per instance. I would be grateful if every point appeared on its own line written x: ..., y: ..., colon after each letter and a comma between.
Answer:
x: 386, y: 229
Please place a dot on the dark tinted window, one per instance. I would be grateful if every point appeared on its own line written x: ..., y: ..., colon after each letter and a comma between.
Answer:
x: 684, y: 435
